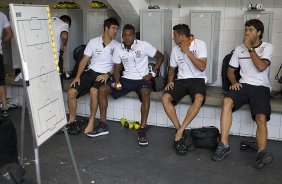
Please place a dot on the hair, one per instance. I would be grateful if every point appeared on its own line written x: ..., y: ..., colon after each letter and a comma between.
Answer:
x: 110, y: 21
x: 66, y: 19
x: 257, y: 24
x: 182, y: 29
x: 129, y: 27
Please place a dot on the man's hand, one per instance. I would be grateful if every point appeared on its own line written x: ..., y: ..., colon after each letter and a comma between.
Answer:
x: 117, y: 86
x: 74, y: 82
x: 247, y: 42
x: 184, y: 46
x: 147, y: 77
x: 236, y: 86
x: 169, y: 86
x: 102, y: 78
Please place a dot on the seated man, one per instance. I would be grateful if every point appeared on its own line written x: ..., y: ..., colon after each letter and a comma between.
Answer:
x: 133, y: 55
x: 190, y: 56
x: 99, y: 52
x: 253, y: 57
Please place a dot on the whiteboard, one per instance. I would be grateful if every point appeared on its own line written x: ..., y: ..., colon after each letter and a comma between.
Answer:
x: 45, y: 102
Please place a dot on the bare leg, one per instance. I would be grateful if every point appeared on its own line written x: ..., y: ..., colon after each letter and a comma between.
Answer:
x: 226, y: 119
x: 191, y: 114
x: 72, y: 104
x: 93, y: 109
x: 261, y: 131
x: 170, y: 109
x: 103, y: 101
x: 145, y: 106
x: 3, y: 95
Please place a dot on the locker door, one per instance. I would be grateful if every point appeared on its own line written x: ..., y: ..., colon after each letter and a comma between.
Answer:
x: 201, y: 26
x: 265, y: 18
x: 152, y: 29
x: 95, y: 22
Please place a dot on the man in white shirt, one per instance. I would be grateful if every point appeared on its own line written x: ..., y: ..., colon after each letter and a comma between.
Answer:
x: 6, y: 36
x: 133, y: 55
x: 190, y: 56
x: 98, y: 53
x: 61, y: 28
x: 253, y: 57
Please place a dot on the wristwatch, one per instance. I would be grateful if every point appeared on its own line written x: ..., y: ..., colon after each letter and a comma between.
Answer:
x: 153, y: 73
x: 251, y: 49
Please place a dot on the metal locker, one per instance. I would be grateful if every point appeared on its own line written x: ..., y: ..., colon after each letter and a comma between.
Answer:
x: 75, y: 33
x: 95, y: 23
x: 267, y: 20
x: 156, y: 29
x: 205, y: 26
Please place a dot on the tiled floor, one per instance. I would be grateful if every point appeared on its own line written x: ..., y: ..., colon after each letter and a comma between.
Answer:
x: 117, y: 158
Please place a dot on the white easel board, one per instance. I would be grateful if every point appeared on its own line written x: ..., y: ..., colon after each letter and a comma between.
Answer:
x: 41, y: 80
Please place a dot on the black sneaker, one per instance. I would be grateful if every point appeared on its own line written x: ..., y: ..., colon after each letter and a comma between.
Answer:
x: 4, y: 113
x: 244, y: 145
x: 101, y: 129
x: 220, y: 152
x: 142, y: 139
x: 74, y: 128
x: 263, y: 158
x: 180, y: 147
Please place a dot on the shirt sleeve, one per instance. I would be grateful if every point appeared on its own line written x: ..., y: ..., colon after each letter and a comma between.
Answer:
x: 234, y: 61
x: 149, y: 49
x: 268, y: 52
x: 65, y: 27
x: 116, y: 58
x: 6, y: 23
x: 88, y: 49
x: 173, y: 58
x: 202, y: 53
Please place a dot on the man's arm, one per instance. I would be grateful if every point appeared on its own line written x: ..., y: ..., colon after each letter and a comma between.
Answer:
x: 260, y: 64
x: 116, y: 72
x: 64, y: 40
x: 235, y: 85
x: 8, y: 34
x: 160, y: 59
x: 82, y: 65
x: 199, y: 63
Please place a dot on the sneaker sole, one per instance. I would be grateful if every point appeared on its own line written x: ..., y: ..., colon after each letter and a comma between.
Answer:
x: 96, y: 135
x: 266, y: 161
x: 143, y: 143
x: 221, y: 158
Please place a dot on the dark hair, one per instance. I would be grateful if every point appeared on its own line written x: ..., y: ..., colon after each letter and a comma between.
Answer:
x: 129, y: 26
x: 257, y: 24
x: 110, y: 21
x: 66, y: 19
x: 182, y: 29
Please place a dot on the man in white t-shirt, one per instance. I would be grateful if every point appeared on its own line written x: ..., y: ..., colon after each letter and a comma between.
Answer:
x: 253, y: 57
x: 190, y: 56
x: 133, y: 55
x: 61, y: 28
x: 98, y: 53
x: 6, y: 36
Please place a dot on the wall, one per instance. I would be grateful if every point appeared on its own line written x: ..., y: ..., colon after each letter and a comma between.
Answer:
x: 231, y: 33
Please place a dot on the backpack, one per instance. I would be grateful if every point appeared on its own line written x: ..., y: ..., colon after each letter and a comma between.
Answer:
x: 78, y: 54
x: 205, y: 137
x: 225, y: 81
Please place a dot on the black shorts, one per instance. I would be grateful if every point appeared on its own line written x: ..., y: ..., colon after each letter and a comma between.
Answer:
x: 87, y: 81
x: 129, y: 85
x: 2, y: 71
x: 258, y: 97
x: 191, y: 87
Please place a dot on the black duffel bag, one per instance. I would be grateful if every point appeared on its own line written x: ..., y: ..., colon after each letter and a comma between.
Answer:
x: 205, y: 137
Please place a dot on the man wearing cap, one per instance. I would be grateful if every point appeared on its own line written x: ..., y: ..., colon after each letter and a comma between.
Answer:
x: 190, y: 56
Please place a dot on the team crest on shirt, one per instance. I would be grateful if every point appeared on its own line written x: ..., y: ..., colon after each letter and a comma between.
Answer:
x: 112, y: 52
x: 138, y: 54
x: 260, y: 51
